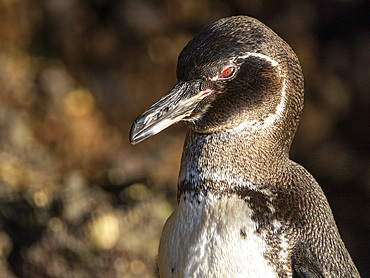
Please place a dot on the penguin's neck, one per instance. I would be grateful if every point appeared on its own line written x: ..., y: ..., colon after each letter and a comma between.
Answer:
x: 224, y: 163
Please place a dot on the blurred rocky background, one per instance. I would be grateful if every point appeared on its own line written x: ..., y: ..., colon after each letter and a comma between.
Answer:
x: 76, y: 199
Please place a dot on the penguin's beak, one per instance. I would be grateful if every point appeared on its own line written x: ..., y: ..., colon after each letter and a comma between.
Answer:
x: 178, y: 104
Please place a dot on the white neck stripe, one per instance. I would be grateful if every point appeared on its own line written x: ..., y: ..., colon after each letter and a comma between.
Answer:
x: 270, y: 119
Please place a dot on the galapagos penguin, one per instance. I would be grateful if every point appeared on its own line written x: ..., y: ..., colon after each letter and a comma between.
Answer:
x: 244, y: 208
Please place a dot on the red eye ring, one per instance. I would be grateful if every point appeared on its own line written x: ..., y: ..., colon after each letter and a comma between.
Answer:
x: 228, y: 72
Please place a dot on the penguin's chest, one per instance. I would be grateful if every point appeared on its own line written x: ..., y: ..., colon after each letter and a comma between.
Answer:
x: 213, y: 237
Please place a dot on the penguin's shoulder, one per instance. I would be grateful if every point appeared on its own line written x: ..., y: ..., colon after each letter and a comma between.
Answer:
x: 317, y: 247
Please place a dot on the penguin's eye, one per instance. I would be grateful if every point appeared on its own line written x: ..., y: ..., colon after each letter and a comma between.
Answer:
x: 228, y: 72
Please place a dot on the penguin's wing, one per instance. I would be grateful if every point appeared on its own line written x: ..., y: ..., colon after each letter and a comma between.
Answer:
x: 302, y: 264
x: 318, y: 249
x: 303, y: 272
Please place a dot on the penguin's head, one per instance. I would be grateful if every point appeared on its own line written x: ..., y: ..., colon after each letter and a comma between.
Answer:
x: 237, y: 74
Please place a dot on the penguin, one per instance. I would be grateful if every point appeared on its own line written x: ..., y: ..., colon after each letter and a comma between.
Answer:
x: 244, y: 209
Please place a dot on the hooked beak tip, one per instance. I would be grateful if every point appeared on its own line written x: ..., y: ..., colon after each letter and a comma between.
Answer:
x: 132, y: 140
x: 137, y: 132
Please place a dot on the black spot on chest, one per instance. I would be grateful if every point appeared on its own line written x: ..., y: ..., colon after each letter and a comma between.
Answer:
x: 243, y: 233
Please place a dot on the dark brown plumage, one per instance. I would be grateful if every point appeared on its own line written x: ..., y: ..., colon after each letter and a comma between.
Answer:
x: 244, y: 208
